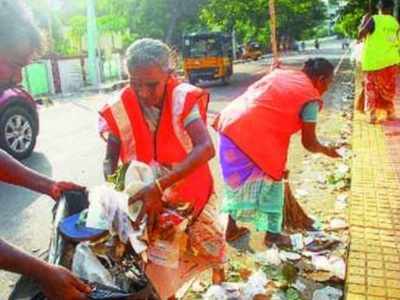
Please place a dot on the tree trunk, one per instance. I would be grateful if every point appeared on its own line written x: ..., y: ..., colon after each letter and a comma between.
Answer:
x: 172, y: 23
x: 295, y: 218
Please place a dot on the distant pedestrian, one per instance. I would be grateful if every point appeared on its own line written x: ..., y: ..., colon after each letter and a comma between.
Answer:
x: 379, y: 61
x: 345, y: 44
x: 303, y: 46
x: 316, y: 44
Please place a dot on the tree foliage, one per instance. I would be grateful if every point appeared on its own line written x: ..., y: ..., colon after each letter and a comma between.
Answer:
x: 170, y: 19
x: 350, y: 16
x: 250, y: 19
x: 163, y: 19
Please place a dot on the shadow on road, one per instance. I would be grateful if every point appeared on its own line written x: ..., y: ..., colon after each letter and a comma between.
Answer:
x: 39, y: 163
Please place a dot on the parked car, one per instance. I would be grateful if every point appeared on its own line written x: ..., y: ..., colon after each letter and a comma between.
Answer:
x: 19, y: 122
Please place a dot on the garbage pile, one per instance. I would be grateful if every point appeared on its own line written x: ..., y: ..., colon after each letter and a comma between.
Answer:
x: 315, y: 270
x: 130, y: 257
x: 108, y: 262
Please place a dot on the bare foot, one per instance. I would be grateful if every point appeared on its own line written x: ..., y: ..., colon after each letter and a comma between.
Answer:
x: 278, y: 239
x: 234, y: 232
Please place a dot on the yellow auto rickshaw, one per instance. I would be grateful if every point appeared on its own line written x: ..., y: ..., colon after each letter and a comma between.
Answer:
x: 208, y: 56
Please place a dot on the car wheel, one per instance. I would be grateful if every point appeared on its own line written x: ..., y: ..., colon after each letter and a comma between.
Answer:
x: 17, y: 132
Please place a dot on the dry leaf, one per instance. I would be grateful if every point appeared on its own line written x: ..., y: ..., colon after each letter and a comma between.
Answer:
x: 261, y: 297
x: 319, y: 276
x: 245, y: 273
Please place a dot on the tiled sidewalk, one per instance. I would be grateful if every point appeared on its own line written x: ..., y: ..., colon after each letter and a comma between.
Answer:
x: 374, y: 212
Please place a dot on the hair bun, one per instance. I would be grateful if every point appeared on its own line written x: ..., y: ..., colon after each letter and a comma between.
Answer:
x: 310, y: 62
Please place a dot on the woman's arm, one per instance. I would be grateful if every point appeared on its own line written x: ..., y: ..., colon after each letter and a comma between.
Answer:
x: 110, y: 162
x: 203, y: 151
x: 14, y: 172
x: 56, y: 282
x: 367, y: 26
x: 311, y: 143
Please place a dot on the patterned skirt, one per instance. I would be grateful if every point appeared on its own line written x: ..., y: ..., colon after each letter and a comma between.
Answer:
x: 250, y: 195
x: 380, y: 89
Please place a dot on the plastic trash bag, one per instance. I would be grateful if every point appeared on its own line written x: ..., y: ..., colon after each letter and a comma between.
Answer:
x: 255, y: 285
x: 328, y: 293
x: 215, y: 292
x: 138, y: 175
x: 86, y: 265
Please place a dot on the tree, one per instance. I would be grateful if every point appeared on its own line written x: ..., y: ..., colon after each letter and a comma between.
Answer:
x: 162, y: 19
x: 350, y: 17
x: 250, y: 18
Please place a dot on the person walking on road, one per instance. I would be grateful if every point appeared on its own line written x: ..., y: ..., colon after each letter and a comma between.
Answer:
x: 316, y: 44
x: 379, y: 62
x: 254, y: 137
x: 20, y: 39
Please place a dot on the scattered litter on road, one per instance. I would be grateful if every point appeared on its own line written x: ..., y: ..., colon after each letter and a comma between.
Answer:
x: 215, y: 292
x: 337, y: 224
x: 301, y: 193
x: 291, y: 256
x: 272, y: 256
x: 255, y: 285
x: 297, y: 241
x: 328, y: 293
x: 335, y: 265
x: 341, y: 201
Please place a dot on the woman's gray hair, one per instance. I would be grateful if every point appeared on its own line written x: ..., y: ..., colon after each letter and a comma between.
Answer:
x: 148, y: 52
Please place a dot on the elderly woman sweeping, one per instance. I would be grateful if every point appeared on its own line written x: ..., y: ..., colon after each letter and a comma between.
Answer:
x: 255, y: 131
x: 161, y: 121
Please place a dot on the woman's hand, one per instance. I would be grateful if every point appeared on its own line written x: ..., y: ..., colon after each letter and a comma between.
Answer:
x: 60, y: 284
x: 152, y: 205
x: 332, y: 152
x: 311, y: 143
x: 58, y: 188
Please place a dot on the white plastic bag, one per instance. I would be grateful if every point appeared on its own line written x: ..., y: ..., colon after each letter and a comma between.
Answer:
x: 328, y: 293
x: 335, y: 265
x: 272, y: 256
x: 86, y: 265
x: 137, y: 177
x: 255, y: 285
x: 215, y: 292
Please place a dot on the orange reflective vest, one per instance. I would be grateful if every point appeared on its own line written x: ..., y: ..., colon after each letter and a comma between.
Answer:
x: 170, y: 144
x: 262, y: 120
